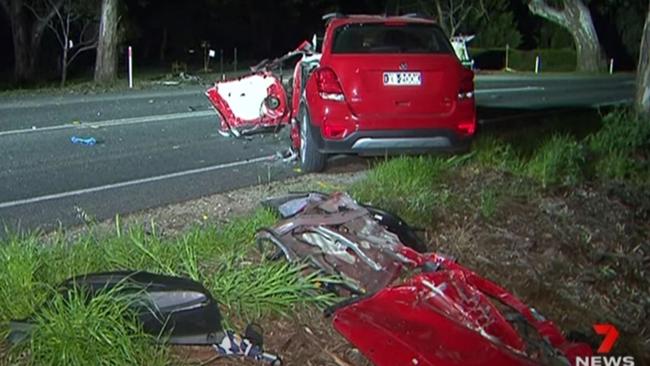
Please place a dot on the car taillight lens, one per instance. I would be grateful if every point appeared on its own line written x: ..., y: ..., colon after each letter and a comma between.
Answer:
x: 466, y: 90
x: 328, y: 85
x: 467, y: 128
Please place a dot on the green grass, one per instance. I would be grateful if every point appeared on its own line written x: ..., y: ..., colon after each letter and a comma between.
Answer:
x: 620, y: 148
x: 559, y: 161
x: 414, y: 187
x: 257, y: 289
x: 494, y: 153
x: 406, y: 185
x: 74, y: 331
x: 488, y: 202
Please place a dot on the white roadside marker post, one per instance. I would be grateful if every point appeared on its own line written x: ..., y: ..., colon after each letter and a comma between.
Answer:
x: 537, y: 64
x: 130, y: 67
x: 611, y: 66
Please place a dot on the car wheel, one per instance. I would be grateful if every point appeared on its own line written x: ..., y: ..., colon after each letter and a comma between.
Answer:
x: 311, y: 160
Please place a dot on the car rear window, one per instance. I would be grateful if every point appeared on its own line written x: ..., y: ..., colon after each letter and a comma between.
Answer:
x: 390, y: 38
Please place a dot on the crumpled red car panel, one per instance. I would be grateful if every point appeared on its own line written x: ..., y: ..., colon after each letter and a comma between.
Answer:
x: 449, y: 318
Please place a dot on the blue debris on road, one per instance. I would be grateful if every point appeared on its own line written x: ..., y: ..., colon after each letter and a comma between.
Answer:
x: 90, y: 141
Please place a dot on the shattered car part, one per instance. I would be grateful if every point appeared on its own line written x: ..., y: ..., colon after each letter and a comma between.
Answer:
x: 450, y: 317
x: 175, y: 310
x: 179, y: 309
x: 326, y: 233
x: 339, y: 237
x: 292, y: 204
x: 234, y: 345
x: 443, y: 315
x: 252, y: 103
x: 257, y: 102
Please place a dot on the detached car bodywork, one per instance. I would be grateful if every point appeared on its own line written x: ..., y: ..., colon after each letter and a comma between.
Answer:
x: 411, y: 308
x: 380, y: 85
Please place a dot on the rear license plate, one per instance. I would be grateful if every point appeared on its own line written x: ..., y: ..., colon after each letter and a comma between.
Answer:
x: 402, y: 78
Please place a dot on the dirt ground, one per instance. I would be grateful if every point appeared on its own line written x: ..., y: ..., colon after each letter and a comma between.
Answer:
x: 580, y: 256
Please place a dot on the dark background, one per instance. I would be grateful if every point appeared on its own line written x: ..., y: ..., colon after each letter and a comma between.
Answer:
x: 258, y: 29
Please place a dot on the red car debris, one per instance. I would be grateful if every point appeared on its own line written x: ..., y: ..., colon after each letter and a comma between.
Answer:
x: 411, y: 308
x: 380, y: 85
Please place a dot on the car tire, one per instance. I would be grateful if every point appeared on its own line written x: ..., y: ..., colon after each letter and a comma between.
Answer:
x: 311, y: 160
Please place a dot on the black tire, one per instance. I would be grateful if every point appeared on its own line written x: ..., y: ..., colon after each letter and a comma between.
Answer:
x: 311, y: 160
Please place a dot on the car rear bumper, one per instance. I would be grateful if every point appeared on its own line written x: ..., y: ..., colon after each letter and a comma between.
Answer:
x: 380, y: 142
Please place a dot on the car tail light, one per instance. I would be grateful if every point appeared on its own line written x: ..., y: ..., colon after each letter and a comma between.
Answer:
x: 328, y: 85
x: 467, y: 128
x: 466, y: 90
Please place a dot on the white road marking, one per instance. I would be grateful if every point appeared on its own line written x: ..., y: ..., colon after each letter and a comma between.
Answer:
x: 130, y: 183
x: 61, y: 100
x: 509, y: 90
x: 113, y: 122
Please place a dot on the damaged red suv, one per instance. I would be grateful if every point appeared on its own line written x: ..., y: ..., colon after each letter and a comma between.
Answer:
x: 381, y: 85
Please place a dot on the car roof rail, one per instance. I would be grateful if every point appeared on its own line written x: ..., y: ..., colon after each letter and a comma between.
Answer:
x: 330, y: 16
x: 417, y: 15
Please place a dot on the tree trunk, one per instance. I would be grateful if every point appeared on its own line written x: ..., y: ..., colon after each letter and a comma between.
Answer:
x: 106, y: 62
x: 27, y: 34
x: 643, y: 71
x: 163, y: 46
x: 23, y: 64
x: 575, y: 17
x: 64, y: 62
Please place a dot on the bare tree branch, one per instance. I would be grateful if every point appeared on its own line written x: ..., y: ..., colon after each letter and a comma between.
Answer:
x: 81, y: 50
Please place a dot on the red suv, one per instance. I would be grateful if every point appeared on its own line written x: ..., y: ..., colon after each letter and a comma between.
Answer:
x: 381, y: 85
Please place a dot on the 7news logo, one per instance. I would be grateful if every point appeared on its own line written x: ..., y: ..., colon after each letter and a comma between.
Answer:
x: 611, y: 335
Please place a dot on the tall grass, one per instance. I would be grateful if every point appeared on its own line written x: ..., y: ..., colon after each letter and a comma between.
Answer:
x: 73, y: 329
x: 621, y: 147
x: 256, y: 290
x: 560, y: 160
x: 494, y: 153
x: 405, y: 185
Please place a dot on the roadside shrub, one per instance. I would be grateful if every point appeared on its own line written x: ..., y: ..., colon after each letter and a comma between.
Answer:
x: 621, y: 130
x: 617, y: 147
x: 559, y: 160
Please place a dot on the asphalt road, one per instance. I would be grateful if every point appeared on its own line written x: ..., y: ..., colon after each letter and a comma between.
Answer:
x: 160, y: 147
